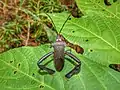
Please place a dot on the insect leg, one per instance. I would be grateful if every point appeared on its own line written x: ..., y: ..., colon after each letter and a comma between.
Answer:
x: 42, y: 67
x: 76, y: 69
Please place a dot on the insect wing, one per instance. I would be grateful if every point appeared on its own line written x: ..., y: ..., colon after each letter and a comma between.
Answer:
x: 59, y: 56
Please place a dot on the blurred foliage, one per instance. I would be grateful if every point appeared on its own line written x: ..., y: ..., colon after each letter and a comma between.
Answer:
x: 22, y: 24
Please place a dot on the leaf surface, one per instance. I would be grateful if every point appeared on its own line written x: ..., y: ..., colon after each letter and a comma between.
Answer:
x: 97, y: 32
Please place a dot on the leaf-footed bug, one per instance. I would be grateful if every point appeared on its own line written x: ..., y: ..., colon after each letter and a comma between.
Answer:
x: 59, y: 54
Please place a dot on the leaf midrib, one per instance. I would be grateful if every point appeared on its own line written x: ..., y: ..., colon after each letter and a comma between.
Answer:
x: 98, y: 37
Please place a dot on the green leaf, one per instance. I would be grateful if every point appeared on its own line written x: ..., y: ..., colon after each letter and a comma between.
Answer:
x: 97, y: 32
x: 18, y: 70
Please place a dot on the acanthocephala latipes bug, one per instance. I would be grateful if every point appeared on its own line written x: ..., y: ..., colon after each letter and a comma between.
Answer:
x: 59, y: 55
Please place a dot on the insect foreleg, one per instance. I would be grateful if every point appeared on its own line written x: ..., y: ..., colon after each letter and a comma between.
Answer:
x: 42, y: 67
x: 76, y: 69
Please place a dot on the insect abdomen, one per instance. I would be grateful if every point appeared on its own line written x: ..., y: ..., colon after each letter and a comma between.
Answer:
x: 59, y: 57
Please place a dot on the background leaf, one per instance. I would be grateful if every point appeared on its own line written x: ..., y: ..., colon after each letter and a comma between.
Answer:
x: 97, y: 32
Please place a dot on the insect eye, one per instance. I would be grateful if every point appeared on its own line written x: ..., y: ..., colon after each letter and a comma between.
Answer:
x: 59, y: 39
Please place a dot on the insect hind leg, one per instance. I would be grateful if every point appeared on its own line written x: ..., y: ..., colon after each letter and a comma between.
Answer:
x: 43, y: 67
x: 50, y: 71
x: 76, y: 69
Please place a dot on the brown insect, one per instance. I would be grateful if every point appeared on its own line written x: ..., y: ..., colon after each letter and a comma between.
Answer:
x: 59, y: 55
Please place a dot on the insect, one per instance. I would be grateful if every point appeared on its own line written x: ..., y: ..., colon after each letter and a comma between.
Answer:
x: 59, y: 55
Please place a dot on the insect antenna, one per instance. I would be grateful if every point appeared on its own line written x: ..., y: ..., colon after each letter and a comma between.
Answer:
x: 52, y: 22
x: 64, y: 23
